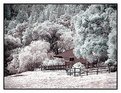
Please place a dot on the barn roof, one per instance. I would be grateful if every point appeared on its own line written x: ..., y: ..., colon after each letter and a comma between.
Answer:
x: 66, y: 54
x: 69, y: 54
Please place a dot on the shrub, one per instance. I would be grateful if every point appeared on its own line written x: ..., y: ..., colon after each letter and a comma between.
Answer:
x: 110, y: 62
x: 13, y: 65
x: 56, y: 61
x: 32, y: 56
x: 11, y: 42
x: 25, y: 61
x: 78, y: 65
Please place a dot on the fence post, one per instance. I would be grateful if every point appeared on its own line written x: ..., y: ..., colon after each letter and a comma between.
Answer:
x: 42, y: 68
x: 97, y: 65
x: 80, y: 72
x: 74, y: 71
x: 87, y: 72
x: 70, y: 72
x: 109, y: 68
x: 58, y: 66
x: 97, y: 71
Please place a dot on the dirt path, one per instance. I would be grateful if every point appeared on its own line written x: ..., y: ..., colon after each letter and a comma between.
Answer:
x: 59, y: 79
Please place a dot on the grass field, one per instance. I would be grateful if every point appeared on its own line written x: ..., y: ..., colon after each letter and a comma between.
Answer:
x: 59, y: 79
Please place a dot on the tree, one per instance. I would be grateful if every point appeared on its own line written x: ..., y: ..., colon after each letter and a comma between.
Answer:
x: 66, y: 40
x: 86, y: 28
x: 92, y: 30
x: 65, y: 20
x: 27, y: 37
x: 36, y: 13
x: 10, y: 44
x: 112, y: 41
x: 22, y: 16
x: 12, y: 25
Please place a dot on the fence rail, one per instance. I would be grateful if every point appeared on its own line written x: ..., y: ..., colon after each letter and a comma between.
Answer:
x: 54, y: 67
x: 78, y: 71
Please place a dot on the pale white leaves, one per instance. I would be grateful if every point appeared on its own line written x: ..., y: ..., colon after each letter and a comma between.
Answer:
x: 34, y: 54
x: 56, y: 61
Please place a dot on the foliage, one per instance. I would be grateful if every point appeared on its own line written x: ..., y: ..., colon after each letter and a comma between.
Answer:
x: 92, y: 29
x: 112, y: 41
x: 13, y: 65
x: 66, y: 40
x: 11, y: 42
x: 78, y: 65
x: 38, y: 30
x: 32, y: 56
x: 56, y: 61
x: 22, y: 16
x: 111, y: 62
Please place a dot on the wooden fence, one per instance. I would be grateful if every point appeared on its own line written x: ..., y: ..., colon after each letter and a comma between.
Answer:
x: 80, y: 72
x: 54, y: 67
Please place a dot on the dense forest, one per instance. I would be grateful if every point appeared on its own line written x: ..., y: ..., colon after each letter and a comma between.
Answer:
x: 33, y: 33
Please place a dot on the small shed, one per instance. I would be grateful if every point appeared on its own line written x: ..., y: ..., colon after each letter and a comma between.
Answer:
x: 70, y: 58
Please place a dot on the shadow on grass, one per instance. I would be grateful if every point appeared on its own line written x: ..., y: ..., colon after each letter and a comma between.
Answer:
x: 18, y: 75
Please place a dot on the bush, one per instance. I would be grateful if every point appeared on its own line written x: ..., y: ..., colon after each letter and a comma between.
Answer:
x: 13, y: 65
x: 11, y: 42
x: 13, y: 61
x: 25, y: 62
x: 56, y: 61
x: 11, y: 68
x: 112, y: 64
x: 78, y: 65
x: 113, y: 68
x: 31, y: 56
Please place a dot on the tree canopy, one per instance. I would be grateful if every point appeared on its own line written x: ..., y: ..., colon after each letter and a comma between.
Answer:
x: 89, y: 29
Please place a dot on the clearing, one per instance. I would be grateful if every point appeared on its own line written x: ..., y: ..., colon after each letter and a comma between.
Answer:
x: 59, y: 79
